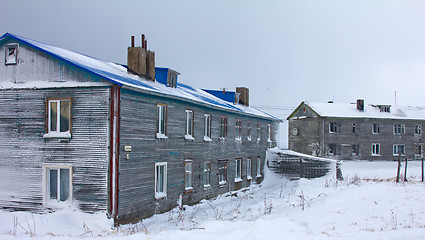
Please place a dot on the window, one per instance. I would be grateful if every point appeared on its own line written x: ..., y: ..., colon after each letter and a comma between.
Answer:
x: 222, y: 171
x: 238, y: 170
x: 355, y: 150
x: 418, y: 129
x: 11, y: 54
x: 207, y: 174
x: 238, y: 130
x: 223, y: 127
x: 58, y: 183
x: 376, y: 149
x: 248, y: 131
x: 188, y: 176
x: 334, y: 149
x: 249, y: 168
x: 418, y: 150
x: 207, y: 127
x: 172, y: 80
x: 384, y: 108
x: 160, y: 179
x: 333, y: 127
x: 375, y: 128
x: 398, y: 128
x: 258, y: 167
x: 398, y: 149
x: 161, y: 121
x: 258, y: 132
x: 189, y: 125
x: 58, y: 118
x: 269, y: 132
x: 354, y: 128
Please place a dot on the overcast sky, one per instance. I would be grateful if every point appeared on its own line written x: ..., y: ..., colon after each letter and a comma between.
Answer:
x: 283, y: 51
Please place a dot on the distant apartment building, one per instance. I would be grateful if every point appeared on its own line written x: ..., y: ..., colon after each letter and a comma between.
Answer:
x: 357, y: 131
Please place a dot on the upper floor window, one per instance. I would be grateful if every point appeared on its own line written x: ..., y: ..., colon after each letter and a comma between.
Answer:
x: 207, y: 127
x: 376, y: 149
x: 248, y: 131
x: 238, y: 130
x: 269, y: 132
x: 418, y: 129
x: 160, y: 179
x: 161, y: 121
x: 398, y: 128
x: 398, y: 149
x: 11, y: 54
x: 354, y: 128
x: 188, y: 175
x: 258, y: 132
x: 223, y: 127
x: 189, y: 125
x: 375, y: 128
x: 58, y: 118
x: 333, y: 127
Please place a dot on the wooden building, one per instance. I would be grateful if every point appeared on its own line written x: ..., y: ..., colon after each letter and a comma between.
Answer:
x: 357, y: 131
x: 75, y: 130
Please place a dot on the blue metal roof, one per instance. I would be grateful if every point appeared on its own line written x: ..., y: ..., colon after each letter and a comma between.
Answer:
x: 117, y: 74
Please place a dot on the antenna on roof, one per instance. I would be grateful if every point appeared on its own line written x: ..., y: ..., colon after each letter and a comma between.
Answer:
x: 395, y: 98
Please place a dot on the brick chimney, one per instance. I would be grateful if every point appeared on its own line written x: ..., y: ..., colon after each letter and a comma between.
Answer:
x: 141, y: 61
x: 242, y: 96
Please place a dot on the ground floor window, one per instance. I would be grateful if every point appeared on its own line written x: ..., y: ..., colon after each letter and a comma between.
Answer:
x: 419, y: 150
x: 160, y: 179
x: 334, y: 149
x: 188, y: 175
x: 248, y: 168
x: 207, y: 174
x: 58, y: 182
x: 258, y: 167
x: 238, y: 170
x: 355, y: 150
x: 398, y: 149
x: 376, y: 149
x: 222, y: 171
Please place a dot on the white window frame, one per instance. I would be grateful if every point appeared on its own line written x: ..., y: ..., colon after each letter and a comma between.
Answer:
x: 249, y: 168
x: 333, y: 127
x: 238, y: 130
x: 376, y: 128
x: 222, y: 178
x: 161, y: 116
x: 207, y: 174
x: 399, y: 129
x: 355, y: 150
x: 258, y: 167
x: 207, y: 127
x: 11, y: 59
x: 418, y: 129
x: 269, y: 133
x: 249, y: 131
x: 189, y: 125
x: 188, y: 175
x: 396, y: 148
x: 376, y: 149
x: 162, y: 194
x: 46, y: 184
x: 258, y: 132
x: 238, y: 169
x: 57, y: 133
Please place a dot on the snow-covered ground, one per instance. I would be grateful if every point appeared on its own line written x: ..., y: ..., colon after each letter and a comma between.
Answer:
x: 367, y: 204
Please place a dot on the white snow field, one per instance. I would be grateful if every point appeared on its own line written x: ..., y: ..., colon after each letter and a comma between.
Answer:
x: 367, y: 204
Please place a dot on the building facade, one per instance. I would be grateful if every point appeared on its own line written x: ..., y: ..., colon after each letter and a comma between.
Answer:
x: 357, y: 131
x: 99, y: 136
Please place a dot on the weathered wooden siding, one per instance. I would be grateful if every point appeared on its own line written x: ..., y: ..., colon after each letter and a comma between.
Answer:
x: 138, y: 121
x: 23, y: 151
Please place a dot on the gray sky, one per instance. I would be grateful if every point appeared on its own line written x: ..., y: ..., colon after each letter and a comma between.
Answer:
x: 283, y: 51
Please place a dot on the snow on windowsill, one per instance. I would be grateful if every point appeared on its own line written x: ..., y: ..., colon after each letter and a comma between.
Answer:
x: 238, y: 140
x: 207, y: 187
x: 238, y: 180
x: 189, y: 137
x: 161, y: 136
x: 207, y: 139
x: 222, y: 182
x: 249, y: 178
x: 188, y: 189
x: 258, y: 176
x: 160, y: 195
x: 57, y: 135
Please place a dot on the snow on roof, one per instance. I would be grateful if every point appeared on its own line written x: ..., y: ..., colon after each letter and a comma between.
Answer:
x: 118, y: 74
x: 370, y: 111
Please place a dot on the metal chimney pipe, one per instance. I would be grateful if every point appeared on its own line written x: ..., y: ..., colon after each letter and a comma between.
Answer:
x: 132, y: 41
x: 143, y: 40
